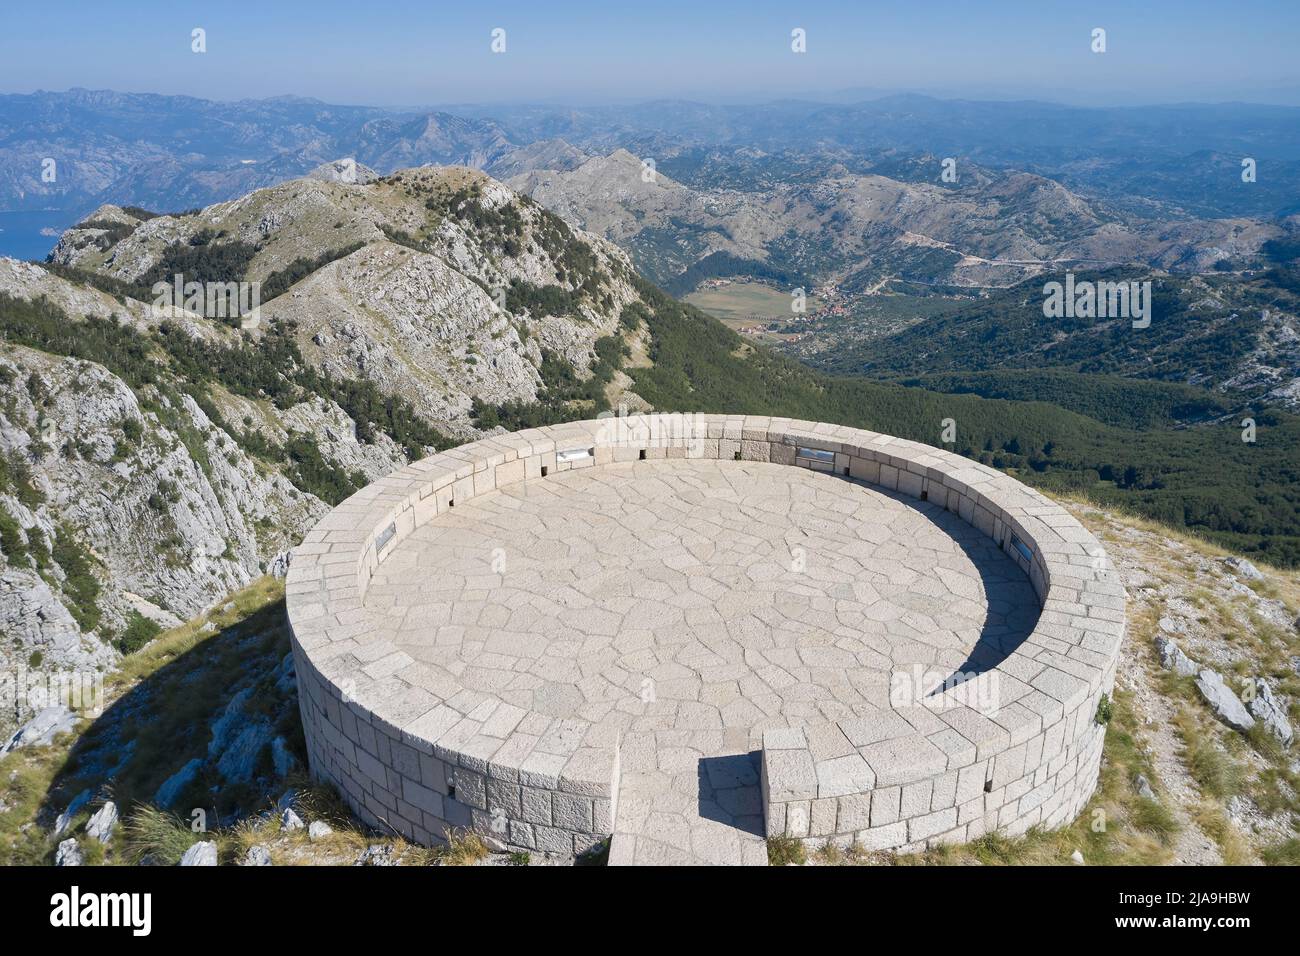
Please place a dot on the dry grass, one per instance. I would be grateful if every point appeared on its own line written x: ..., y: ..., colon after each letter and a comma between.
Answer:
x: 155, y: 836
x: 1281, y: 583
x: 1214, y: 770
x: 464, y: 848
x: 25, y: 778
x: 312, y: 802
x: 245, y: 835
x: 172, y: 644
x: 832, y: 854
x: 1214, y: 823
x: 1285, y: 853
x: 29, y: 777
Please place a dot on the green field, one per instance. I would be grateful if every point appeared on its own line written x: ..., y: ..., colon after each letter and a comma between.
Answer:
x: 746, y: 303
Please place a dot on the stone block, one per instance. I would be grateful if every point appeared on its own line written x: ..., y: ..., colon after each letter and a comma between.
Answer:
x: 536, y: 806
x: 798, y: 818
x: 571, y: 812
x: 789, y: 775
x: 885, y: 805
x: 883, y: 838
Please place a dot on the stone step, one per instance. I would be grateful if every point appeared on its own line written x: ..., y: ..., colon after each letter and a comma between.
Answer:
x: 679, y: 808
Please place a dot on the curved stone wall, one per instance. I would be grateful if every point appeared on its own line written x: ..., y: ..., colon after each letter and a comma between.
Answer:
x: 1013, y: 746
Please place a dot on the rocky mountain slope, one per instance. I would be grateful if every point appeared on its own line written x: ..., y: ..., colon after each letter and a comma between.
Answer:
x: 990, y: 228
x: 1211, y: 636
x: 1154, y: 186
x: 154, y: 458
x: 439, y: 284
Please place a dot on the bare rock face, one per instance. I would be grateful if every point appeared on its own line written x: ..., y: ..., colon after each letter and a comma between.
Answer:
x: 318, y: 830
x: 1173, y: 658
x: 1227, y: 706
x: 278, y: 566
x: 32, y: 614
x: 336, y: 436
x: 421, y: 310
x: 377, y: 854
x: 156, y: 493
x: 344, y: 171
x: 1143, y: 787
x: 258, y: 855
x: 101, y: 825
x: 547, y: 154
x: 172, y: 787
x: 163, y: 500
x: 41, y: 729
x: 203, y: 853
x: 416, y: 327
x: 69, y: 853
x: 1000, y: 227
x: 1244, y: 568
x: 166, y: 511
x: 1269, y: 711
x: 64, y: 819
x: 26, y: 280
x: 39, y: 636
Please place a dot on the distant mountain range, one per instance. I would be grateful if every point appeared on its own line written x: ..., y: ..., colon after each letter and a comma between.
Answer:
x: 173, y: 152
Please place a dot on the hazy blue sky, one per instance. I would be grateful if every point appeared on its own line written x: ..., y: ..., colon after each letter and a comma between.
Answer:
x: 421, y: 53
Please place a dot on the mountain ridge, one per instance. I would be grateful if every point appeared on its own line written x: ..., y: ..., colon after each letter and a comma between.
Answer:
x: 992, y: 228
x: 179, y: 455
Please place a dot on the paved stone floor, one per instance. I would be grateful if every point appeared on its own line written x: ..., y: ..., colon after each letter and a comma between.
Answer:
x: 686, y: 605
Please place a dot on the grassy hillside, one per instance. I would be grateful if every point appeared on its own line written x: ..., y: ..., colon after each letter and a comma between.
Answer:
x: 219, y: 694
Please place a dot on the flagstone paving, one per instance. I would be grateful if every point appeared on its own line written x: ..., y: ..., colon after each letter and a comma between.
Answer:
x: 688, y: 605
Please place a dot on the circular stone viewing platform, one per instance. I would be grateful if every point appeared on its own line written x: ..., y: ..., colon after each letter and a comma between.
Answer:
x: 688, y: 633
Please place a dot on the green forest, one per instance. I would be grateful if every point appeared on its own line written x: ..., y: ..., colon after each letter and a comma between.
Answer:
x: 1201, y: 326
